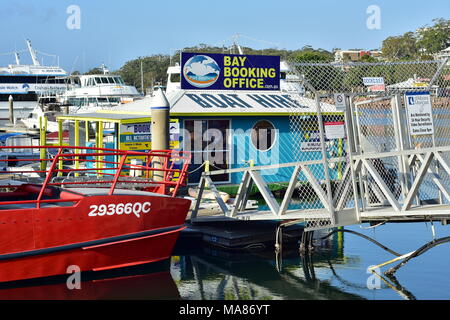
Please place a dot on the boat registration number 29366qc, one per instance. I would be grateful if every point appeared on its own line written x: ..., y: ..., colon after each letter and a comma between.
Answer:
x: 135, y: 208
x: 95, y: 217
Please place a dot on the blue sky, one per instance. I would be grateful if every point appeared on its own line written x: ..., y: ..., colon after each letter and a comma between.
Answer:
x: 113, y: 32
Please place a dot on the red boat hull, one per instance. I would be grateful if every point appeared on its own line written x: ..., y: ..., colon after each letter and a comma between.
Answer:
x: 47, y: 241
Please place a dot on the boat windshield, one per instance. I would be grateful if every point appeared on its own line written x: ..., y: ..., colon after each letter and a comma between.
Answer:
x: 108, y: 80
x: 118, y: 80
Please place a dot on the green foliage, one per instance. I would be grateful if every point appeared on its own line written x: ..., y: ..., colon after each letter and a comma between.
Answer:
x: 420, y: 44
x: 95, y: 71
x: 436, y: 38
x: 154, y: 70
x: 312, y: 56
x: 401, y: 47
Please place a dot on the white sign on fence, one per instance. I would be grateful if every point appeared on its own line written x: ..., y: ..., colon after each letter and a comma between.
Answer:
x: 334, y: 130
x: 418, y: 108
x: 339, y: 101
x: 373, y: 81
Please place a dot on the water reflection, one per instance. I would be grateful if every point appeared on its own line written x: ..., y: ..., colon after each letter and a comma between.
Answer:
x: 144, y: 282
x: 201, y: 272
x: 216, y: 274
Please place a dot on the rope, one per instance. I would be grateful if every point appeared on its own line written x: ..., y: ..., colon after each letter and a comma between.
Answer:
x: 365, y: 237
x: 417, y: 253
x: 203, y: 164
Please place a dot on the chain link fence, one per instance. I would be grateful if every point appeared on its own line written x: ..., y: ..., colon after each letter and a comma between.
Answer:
x: 378, y: 121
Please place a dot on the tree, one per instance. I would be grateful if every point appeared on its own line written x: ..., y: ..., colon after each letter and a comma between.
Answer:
x: 95, y: 71
x: 312, y: 56
x: 400, y: 47
x: 367, y: 58
x: 436, y: 38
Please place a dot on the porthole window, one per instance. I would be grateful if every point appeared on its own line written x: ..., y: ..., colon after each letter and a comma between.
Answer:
x: 263, y: 135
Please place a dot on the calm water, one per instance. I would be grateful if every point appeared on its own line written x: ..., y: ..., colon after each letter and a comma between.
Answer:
x: 337, y: 271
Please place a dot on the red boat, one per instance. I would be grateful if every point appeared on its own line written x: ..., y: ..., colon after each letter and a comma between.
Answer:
x: 93, y: 210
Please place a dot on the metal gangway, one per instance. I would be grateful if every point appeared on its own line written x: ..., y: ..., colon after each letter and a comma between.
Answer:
x: 382, y: 134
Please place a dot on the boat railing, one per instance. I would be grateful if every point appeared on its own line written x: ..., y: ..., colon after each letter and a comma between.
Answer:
x: 160, y: 171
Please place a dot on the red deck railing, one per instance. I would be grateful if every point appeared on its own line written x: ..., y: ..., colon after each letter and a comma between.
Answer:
x: 161, y: 171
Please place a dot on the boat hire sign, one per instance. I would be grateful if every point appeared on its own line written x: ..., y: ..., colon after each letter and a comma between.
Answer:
x: 213, y: 71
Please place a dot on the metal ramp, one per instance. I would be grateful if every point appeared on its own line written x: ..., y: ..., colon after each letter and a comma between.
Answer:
x: 389, y: 163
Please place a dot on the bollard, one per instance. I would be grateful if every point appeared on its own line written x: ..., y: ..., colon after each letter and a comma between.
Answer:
x: 11, y: 110
x: 159, y: 129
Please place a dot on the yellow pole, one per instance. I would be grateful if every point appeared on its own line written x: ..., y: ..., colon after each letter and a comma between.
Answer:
x: 100, y: 144
x: 60, y: 143
x: 77, y: 144
x: 60, y: 132
x: 206, y: 170
x: 42, y: 143
x: 86, y: 130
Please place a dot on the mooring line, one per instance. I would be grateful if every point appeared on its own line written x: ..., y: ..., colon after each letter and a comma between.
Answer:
x: 365, y: 237
x: 417, y: 253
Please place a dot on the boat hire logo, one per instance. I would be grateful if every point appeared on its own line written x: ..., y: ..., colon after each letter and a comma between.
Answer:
x: 201, y: 71
x: 216, y: 71
x: 26, y: 87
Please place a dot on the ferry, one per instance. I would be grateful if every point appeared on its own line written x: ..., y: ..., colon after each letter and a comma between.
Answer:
x: 89, y: 213
x: 25, y: 82
x: 84, y: 93
x: 100, y: 90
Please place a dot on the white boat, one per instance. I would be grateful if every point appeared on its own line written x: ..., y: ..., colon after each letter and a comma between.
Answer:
x: 97, y: 91
x: 84, y: 93
x: 25, y: 82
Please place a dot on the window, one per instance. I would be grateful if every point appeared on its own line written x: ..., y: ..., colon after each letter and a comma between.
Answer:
x: 263, y: 135
x: 208, y: 140
x: 175, y: 77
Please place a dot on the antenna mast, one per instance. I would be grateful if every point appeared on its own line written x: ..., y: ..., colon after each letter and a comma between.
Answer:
x: 33, y: 54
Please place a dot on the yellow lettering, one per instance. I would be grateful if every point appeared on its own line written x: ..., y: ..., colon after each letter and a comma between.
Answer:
x: 263, y: 72
x: 272, y: 73
x: 227, y: 82
x: 226, y: 71
x: 260, y: 83
x: 226, y: 60
x: 242, y: 60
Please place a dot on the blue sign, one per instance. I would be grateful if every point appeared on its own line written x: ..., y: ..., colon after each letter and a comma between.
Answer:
x: 213, y: 71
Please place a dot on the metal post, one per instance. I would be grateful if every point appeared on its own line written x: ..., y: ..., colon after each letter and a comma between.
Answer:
x: 11, y: 110
x: 325, y: 161
x: 363, y: 185
x: 351, y: 149
x: 160, y: 109
x: 399, y: 131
